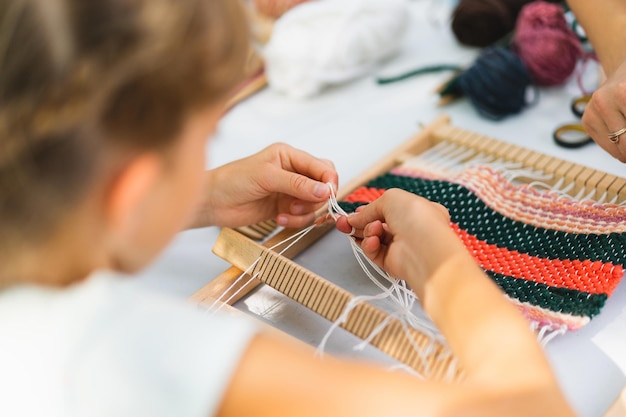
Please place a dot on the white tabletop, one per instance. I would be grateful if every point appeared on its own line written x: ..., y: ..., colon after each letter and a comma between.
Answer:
x: 354, y: 125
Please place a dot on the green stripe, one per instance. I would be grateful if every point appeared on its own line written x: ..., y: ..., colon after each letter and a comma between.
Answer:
x: 562, y: 300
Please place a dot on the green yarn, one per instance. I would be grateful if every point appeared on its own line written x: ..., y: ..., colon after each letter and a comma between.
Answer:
x: 562, y: 300
x: 419, y: 71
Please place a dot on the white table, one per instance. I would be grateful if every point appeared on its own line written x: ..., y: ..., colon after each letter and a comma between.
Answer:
x: 354, y: 125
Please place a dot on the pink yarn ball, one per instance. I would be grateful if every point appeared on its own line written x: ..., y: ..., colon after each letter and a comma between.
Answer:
x: 546, y: 44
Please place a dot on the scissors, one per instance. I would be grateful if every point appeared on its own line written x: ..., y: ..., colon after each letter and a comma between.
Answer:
x: 573, y: 135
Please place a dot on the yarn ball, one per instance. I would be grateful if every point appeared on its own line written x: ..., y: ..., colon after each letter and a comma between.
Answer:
x: 323, y: 43
x: 275, y: 8
x: 484, y: 22
x: 495, y: 84
x: 545, y: 42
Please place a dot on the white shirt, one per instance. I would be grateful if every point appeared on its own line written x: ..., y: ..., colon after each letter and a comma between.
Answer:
x: 104, y: 347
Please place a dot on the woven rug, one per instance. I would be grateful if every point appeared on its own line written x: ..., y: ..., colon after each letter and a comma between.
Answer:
x: 556, y: 258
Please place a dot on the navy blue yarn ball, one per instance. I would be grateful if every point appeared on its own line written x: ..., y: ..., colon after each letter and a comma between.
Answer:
x: 495, y: 84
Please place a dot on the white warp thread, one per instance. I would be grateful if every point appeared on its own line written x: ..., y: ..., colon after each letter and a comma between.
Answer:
x: 402, y: 297
x: 220, y: 301
x: 327, y: 42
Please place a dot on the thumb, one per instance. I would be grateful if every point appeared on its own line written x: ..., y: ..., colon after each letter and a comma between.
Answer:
x: 301, y: 187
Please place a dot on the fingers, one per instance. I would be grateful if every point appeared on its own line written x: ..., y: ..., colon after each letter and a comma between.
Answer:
x: 374, y: 249
x: 374, y: 239
x: 365, y: 215
x: 302, y: 189
x: 300, y: 214
x: 600, y: 120
x: 343, y: 225
x: 605, y: 114
x: 300, y: 207
x: 305, y: 175
x: 378, y: 230
x: 393, y: 205
x: 297, y: 222
x: 395, y: 211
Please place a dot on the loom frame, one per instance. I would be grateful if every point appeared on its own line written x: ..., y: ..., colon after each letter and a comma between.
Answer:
x: 585, y: 180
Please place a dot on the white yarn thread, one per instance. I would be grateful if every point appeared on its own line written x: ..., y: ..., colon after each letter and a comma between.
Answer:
x: 545, y: 333
x: 327, y: 42
x: 219, y: 303
x: 450, y: 158
x: 396, y: 290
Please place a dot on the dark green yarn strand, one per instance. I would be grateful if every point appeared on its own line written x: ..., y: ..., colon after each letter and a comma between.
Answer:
x: 561, y: 300
x: 419, y: 71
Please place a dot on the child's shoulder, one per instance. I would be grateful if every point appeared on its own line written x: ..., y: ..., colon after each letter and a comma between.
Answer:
x: 108, y: 341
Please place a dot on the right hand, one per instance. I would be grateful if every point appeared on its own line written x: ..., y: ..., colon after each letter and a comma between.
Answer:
x: 406, y: 235
x: 606, y: 113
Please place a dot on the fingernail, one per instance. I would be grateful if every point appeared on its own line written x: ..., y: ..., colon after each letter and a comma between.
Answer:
x: 282, y: 220
x: 319, y: 190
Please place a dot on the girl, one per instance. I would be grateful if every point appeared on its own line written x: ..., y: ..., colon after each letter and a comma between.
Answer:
x: 105, y: 106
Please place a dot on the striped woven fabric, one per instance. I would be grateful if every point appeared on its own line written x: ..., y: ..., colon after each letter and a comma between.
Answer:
x: 556, y: 258
x: 527, y: 204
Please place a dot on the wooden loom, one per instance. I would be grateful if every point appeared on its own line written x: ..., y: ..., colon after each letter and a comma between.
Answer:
x: 329, y: 300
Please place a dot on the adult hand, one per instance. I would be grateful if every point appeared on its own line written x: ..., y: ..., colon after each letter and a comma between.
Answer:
x: 406, y: 235
x: 603, y: 23
x: 278, y: 182
x: 606, y: 113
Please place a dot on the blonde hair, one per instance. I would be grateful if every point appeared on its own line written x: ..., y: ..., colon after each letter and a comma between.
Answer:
x: 80, y: 76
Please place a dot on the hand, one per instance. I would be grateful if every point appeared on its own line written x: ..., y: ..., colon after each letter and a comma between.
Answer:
x: 278, y: 182
x: 406, y: 235
x: 606, y: 113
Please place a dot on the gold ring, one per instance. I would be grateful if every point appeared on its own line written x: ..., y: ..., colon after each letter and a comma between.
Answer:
x: 614, y: 136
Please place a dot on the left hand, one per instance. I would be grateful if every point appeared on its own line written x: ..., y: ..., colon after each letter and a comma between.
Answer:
x: 278, y: 182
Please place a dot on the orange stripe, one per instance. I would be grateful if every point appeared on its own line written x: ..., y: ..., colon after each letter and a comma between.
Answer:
x: 588, y: 276
x: 364, y: 195
x: 594, y: 277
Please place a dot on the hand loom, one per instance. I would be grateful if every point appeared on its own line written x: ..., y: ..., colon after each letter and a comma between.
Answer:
x: 329, y: 300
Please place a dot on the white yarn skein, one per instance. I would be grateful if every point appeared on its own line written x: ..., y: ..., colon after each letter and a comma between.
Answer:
x: 326, y: 42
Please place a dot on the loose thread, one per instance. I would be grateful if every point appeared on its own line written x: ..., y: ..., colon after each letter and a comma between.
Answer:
x: 546, y: 334
x: 402, y: 297
x: 452, y: 159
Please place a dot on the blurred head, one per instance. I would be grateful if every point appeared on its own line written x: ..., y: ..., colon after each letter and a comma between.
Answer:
x: 97, y: 94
